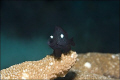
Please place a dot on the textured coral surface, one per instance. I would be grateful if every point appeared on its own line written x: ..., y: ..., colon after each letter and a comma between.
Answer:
x: 97, y: 66
x: 89, y: 76
x: 47, y: 68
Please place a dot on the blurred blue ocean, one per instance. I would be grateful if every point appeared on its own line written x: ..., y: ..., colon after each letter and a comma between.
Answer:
x: 27, y: 25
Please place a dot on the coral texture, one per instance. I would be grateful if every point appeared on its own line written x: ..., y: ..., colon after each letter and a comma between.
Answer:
x: 90, y: 76
x: 47, y: 68
x: 97, y: 66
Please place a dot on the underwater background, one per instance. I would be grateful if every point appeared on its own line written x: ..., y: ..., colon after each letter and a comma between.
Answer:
x: 27, y: 25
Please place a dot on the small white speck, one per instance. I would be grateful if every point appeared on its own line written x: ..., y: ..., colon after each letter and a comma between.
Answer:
x: 77, y: 59
x: 113, y: 66
x: 109, y: 76
x: 49, y: 67
x: 23, y: 70
x: 51, y: 37
x: 72, y: 55
x: 25, y: 75
x: 40, y: 69
x: 61, y: 35
x: 51, y: 63
x: 87, y: 64
x: 113, y: 56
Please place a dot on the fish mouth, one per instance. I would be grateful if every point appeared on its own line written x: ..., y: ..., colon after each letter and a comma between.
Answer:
x: 55, y: 46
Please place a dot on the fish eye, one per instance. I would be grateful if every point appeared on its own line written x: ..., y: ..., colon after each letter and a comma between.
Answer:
x: 61, y: 35
x: 51, y: 37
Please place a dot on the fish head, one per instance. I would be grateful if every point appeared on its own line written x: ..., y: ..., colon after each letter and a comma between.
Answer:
x: 59, y: 39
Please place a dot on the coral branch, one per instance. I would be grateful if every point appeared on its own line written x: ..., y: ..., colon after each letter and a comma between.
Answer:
x: 47, y: 68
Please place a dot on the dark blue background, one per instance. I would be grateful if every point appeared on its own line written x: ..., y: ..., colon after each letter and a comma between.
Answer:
x: 27, y: 25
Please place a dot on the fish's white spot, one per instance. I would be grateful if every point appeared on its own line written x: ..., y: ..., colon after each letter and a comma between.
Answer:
x: 51, y: 37
x: 113, y: 56
x: 87, y: 64
x: 51, y: 63
x: 61, y: 35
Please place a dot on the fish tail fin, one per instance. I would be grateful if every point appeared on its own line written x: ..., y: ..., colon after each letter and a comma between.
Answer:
x: 72, y: 42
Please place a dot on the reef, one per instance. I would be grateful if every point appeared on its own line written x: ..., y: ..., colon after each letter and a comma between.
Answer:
x: 95, y: 65
x: 47, y: 68
x: 90, y: 65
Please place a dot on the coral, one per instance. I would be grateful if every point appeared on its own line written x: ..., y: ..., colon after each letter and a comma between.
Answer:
x: 47, y: 68
x: 90, y: 65
x: 90, y: 76
x: 97, y: 66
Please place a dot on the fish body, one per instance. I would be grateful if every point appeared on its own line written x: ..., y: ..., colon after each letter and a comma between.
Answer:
x: 60, y: 42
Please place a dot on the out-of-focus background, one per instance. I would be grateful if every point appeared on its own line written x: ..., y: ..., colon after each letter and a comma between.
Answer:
x: 27, y: 25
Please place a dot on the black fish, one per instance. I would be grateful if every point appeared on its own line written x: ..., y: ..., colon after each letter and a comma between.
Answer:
x: 59, y: 42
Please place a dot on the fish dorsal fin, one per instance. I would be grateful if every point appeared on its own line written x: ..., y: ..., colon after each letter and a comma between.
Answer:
x: 60, y: 30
